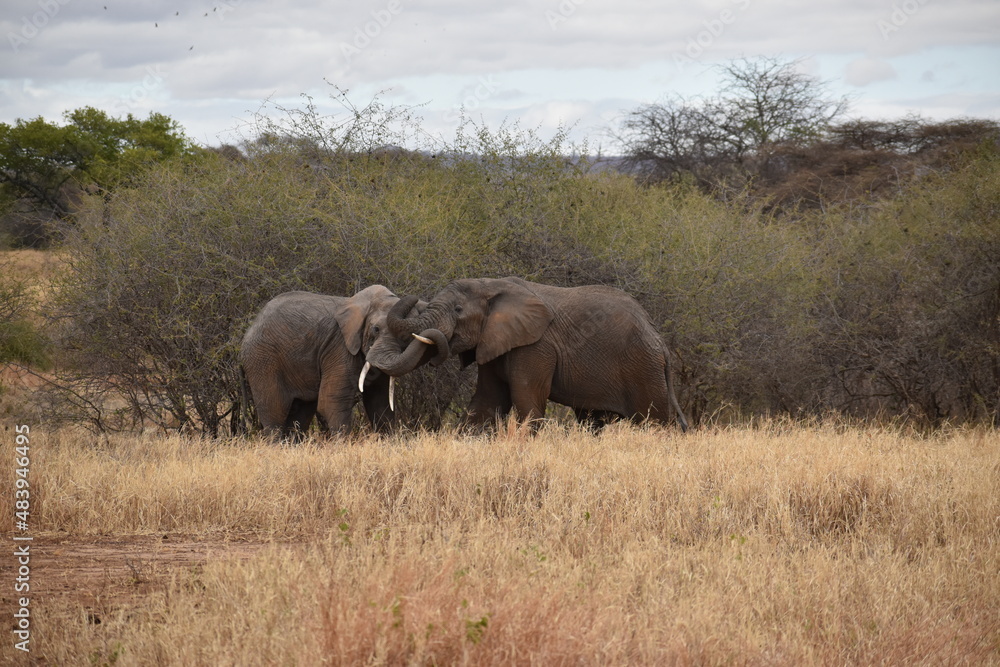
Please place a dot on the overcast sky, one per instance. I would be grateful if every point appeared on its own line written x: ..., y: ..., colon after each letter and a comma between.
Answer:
x: 579, y: 63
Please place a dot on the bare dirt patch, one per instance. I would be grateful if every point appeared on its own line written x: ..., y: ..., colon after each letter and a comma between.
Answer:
x: 104, y: 573
x: 21, y: 378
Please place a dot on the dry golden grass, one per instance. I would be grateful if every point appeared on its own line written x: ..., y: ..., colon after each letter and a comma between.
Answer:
x: 782, y: 545
x: 38, y: 267
x: 31, y: 264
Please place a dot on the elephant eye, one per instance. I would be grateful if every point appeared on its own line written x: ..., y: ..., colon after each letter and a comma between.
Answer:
x: 375, y: 330
x: 458, y: 309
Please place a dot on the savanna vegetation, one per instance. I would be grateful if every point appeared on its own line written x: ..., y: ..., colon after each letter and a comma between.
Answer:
x: 883, y: 305
x: 780, y: 544
x: 829, y: 288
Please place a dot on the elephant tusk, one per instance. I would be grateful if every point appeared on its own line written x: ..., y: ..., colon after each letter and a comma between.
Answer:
x: 361, y: 380
x: 392, y: 393
x: 423, y: 339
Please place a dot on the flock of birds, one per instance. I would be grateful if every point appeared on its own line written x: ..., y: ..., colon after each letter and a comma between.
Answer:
x: 157, y: 25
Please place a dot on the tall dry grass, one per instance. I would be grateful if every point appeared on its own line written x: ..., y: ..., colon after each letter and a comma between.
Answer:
x: 38, y: 267
x: 781, y: 545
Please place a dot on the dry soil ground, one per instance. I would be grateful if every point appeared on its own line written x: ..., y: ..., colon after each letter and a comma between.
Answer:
x: 108, y: 573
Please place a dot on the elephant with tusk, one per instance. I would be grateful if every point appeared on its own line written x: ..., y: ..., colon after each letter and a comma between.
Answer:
x: 592, y: 348
x: 392, y: 379
x: 303, y: 356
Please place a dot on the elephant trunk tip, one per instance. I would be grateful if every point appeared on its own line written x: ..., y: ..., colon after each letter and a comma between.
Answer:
x: 438, y: 341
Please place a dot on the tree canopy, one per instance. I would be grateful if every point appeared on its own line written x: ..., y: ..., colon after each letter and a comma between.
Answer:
x: 47, y: 164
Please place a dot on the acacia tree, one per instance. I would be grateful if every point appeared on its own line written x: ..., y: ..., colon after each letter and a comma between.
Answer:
x: 44, y: 167
x: 764, y: 102
x: 768, y: 101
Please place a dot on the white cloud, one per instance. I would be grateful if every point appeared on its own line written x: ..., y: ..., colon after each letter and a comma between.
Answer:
x: 868, y: 70
x: 590, y: 56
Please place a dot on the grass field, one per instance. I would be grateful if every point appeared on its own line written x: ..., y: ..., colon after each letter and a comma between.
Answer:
x: 786, y: 544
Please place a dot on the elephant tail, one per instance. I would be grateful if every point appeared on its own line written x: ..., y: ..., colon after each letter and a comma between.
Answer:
x: 681, y: 419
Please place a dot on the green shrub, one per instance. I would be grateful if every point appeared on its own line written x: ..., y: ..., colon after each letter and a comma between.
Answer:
x: 165, y: 276
x: 21, y: 342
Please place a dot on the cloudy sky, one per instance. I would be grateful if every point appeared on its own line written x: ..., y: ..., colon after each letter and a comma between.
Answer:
x: 211, y: 65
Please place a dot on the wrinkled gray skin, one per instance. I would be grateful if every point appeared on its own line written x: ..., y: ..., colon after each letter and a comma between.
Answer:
x: 302, y: 356
x: 592, y: 348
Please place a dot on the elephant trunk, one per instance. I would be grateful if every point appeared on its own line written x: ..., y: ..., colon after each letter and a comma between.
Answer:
x: 437, y: 341
x: 437, y: 315
x: 423, y: 328
x: 417, y: 353
x: 425, y: 343
x: 399, y: 324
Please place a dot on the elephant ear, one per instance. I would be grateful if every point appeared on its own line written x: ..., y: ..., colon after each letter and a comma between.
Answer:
x: 516, y: 318
x: 353, y: 314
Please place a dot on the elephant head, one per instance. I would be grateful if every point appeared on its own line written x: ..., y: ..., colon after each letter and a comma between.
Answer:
x: 387, y: 341
x: 362, y: 322
x: 361, y: 317
x: 478, y: 319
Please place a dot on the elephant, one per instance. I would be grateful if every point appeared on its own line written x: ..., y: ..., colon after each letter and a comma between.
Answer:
x: 592, y: 348
x: 302, y: 357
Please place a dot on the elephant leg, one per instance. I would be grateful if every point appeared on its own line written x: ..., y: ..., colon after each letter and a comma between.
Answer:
x: 299, y: 420
x: 336, y: 401
x: 588, y: 419
x: 273, y: 409
x: 666, y: 411
x: 529, y: 371
x: 272, y: 423
x: 491, y: 402
x: 376, y: 403
x: 659, y: 410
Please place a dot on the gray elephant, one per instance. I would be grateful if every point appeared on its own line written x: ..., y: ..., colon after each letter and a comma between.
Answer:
x: 302, y: 357
x: 591, y: 348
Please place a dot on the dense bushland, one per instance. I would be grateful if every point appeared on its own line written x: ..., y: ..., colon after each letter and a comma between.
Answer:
x: 883, y: 308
